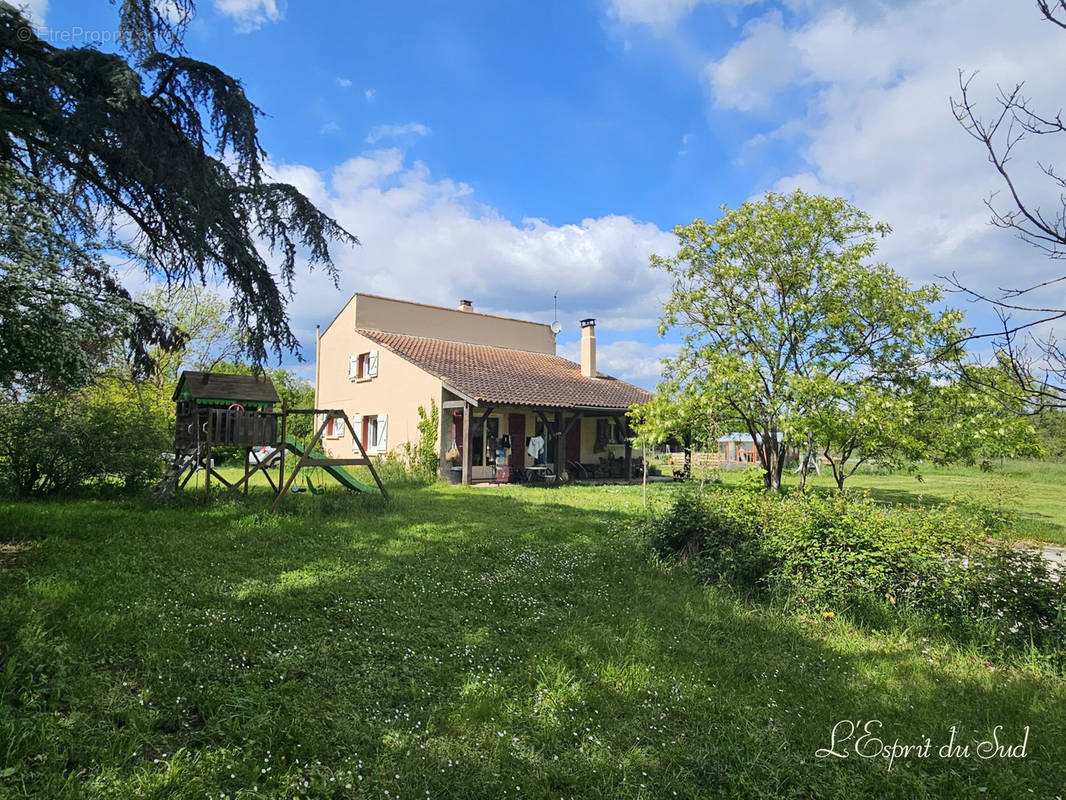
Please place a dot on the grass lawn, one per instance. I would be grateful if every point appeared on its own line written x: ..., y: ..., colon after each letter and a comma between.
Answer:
x: 459, y: 642
x: 1034, y: 490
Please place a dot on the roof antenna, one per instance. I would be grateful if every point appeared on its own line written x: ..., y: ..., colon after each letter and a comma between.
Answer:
x: 556, y: 327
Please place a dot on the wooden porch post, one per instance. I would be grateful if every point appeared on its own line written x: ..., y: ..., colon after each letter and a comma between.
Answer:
x: 468, y: 457
x: 445, y: 420
x: 560, y: 446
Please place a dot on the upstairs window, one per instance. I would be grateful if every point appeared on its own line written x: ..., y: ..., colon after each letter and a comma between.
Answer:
x: 363, y: 366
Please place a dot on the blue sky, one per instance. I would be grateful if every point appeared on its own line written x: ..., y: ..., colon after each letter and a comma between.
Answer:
x: 501, y: 152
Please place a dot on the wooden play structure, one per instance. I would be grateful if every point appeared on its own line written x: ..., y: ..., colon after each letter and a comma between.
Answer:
x: 237, y: 411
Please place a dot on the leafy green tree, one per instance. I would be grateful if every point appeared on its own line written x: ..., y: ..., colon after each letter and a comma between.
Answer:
x: 851, y: 424
x: 675, y: 414
x: 983, y: 415
x: 61, y: 308
x: 208, y: 342
x: 204, y: 339
x: 148, y: 153
x: 1050, y: 424
x: 779, y: 305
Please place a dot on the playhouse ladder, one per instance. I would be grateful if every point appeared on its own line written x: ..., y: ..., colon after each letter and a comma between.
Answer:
x: 187, y: 459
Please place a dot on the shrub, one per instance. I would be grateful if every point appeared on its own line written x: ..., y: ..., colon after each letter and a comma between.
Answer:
x: 842, y: 550
x: 717, y: 536
x: 681, y: 532
x: 752, y: 479
x: 52, y: 444
x: 846, y: 552
x: 994, y: 505
x: 421, y: 456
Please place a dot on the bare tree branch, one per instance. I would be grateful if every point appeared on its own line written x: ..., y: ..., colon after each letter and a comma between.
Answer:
x: 1035, y: 360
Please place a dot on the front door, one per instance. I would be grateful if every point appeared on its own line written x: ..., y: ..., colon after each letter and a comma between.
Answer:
x: 516, y: 429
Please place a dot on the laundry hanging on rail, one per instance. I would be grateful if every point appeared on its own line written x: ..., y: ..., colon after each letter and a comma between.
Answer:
x: 535, y: 447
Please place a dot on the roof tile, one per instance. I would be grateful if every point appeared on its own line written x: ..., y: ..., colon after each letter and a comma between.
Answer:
x: 501, y: 375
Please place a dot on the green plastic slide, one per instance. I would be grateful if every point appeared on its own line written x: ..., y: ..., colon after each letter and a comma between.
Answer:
x: 340, y: 474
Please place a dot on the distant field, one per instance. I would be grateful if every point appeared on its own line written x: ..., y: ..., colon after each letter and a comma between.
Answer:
x: 1034, y: 490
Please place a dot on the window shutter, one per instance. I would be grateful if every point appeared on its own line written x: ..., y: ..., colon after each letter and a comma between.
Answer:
x: 372, y: 364
x: 357, y: 425
x: 383, y: 430
x: 353, y: 367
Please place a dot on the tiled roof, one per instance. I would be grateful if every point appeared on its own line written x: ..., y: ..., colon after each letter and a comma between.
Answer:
x: 500, y: 375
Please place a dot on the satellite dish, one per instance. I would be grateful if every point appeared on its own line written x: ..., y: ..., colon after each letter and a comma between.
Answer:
x: 556, y: 327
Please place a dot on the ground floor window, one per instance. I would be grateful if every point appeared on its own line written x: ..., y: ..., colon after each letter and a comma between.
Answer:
x: 608, y: 431
x: 370, y: 432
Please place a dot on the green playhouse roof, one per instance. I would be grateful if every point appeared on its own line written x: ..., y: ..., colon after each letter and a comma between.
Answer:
x: 223, y: 387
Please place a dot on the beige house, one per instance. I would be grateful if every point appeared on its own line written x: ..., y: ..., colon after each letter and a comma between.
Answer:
x: 509, y: 405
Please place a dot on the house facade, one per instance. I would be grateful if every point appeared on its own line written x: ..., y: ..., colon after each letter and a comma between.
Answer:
x: 508, y: 404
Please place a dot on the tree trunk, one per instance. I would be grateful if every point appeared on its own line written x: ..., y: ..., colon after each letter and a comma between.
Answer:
x: 778, y: 466
x: 805, y: 465
x: 772, y: 463
x: 644, y: 446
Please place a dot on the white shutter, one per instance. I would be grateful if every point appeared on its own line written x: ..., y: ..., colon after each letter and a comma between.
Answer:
x: 357, y: 425
x: 372, y: 364
x: 353, y: 367
x: 383, y: 430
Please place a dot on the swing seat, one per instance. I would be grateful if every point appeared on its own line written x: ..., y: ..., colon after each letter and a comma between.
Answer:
x: 311, y: 486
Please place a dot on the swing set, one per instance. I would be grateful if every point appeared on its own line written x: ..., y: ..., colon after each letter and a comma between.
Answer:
x: 222, y: 410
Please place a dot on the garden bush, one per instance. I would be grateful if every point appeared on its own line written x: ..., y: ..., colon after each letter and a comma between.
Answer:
x: 51, y: 444
x: 421, y: 456
x: 845, y: 552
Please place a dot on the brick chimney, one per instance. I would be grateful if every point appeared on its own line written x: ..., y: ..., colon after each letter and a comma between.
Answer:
x: 467, y: 306
x: 588, y: 348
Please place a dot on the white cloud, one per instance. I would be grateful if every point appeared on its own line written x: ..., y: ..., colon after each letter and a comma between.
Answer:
x: 369, y: 94
x: 656, y: 13
x: 330, y: 127
x: 250, y: 15
x: 344, y: 83
x: 398, y: 129
x: 873, y: 83
x: 636, y: 362
x: 760, y: 65
x: 429, y: 239
x: 662, y: 15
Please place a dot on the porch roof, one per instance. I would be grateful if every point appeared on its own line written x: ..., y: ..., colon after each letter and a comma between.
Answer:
x: 511, y: 377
